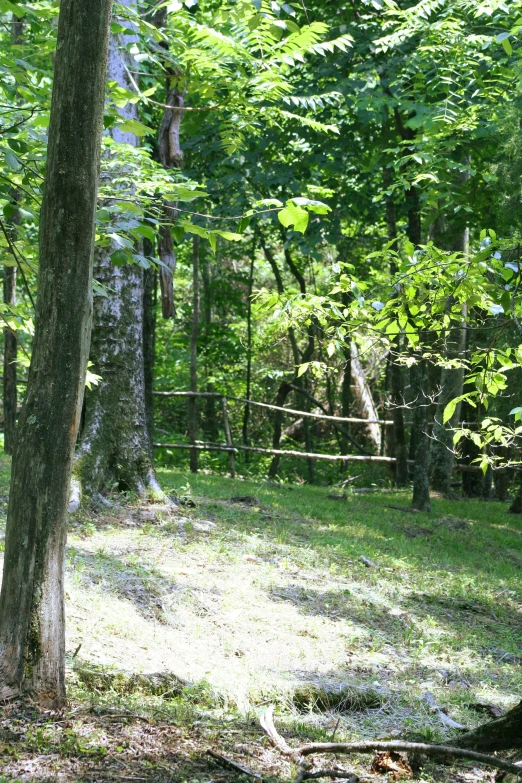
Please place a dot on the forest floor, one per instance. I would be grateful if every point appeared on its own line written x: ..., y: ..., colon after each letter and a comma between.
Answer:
x: 356, y: 619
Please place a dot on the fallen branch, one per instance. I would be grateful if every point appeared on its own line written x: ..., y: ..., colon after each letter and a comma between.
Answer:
x: 331, y: 773
x: 298, y: 754
x: 228, y: 762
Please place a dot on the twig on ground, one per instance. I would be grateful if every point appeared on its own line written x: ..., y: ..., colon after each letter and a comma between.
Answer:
x: 335, y: 729
x: 331, y: 773
x: 298, y: 754
x: 228, y: 762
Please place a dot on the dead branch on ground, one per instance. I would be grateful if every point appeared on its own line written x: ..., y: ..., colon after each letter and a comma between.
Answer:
x: 369, y: 746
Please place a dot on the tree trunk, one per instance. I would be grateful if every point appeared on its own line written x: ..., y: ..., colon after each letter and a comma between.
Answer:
x: 170, y: 155
x: 114, y: 450
x: 516, y: 505
x: 149, y: 337
x: 421, y: 488
x: 192, y: 404
x: 346, y: 384
x: 32, y: 632
x: 10, y: 339
x: 299, y: 358
x: 501, y: 734
x: 452, y: 378
x: 396, y: 370
x: 246, y: 412
x: 10, y: 356
x: 210, y: 424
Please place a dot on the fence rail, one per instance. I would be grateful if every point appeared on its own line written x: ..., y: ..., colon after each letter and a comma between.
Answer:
x: 233, y: 449
x: 290, y: 411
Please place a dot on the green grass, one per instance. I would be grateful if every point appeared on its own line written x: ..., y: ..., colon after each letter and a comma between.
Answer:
x: 268, y: 600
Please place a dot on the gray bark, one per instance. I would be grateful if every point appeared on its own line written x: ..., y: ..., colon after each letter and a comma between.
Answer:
x: 32, y: 639
x: 114, y: 449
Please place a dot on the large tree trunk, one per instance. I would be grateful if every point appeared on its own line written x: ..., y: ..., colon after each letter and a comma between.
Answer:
x: 32, y: 638
x: 501, y: 734
x: 115, y: 449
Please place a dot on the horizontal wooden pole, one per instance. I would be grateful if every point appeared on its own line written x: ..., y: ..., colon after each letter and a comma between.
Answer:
x: 290, y: 411
x: 279, y: 452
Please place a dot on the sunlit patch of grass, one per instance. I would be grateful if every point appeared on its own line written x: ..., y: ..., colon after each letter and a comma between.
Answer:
x: 266, y: 599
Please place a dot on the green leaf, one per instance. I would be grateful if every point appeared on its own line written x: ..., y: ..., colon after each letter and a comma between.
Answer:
x: 302, y: 369
x: 121, y: 257
x: 135, y: 127
x: 230, y: 235
x: 295, y: 216
x: 12, y: 160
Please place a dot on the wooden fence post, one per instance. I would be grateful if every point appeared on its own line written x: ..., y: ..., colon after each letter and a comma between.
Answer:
x: 228, y: 436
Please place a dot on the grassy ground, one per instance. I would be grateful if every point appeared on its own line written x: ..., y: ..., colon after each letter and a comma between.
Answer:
x: 257, y: 594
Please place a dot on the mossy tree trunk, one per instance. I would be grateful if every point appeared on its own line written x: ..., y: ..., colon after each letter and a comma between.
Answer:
x: 114, y: 451
x: 504, y: 733
x: 32, y: 633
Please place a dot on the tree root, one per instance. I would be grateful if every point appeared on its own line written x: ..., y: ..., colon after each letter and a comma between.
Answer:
x: 298, y: 754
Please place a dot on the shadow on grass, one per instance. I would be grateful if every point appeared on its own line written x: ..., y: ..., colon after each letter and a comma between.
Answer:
x: 146, y: 587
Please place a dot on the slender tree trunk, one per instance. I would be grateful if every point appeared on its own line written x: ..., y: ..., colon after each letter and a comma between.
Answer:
x: 10, y: 341
x: 286, y: 386
x: 10, y: 357
x: 346, y: 384
x: 149, y: 337
x: 396, y: 375
x: 32, y: 623
x: 211, y: 424
x: 114, y: 449
x: 452, y: 378
x: 421, y: 487
x: 246, y: 412
x: 192, y: 404
x: 170, y: 155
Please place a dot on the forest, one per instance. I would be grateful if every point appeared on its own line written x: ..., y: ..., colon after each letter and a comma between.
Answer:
x: 261, y: 480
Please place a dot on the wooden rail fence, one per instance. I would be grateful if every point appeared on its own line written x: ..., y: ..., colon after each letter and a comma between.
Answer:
x: 232, y: 448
